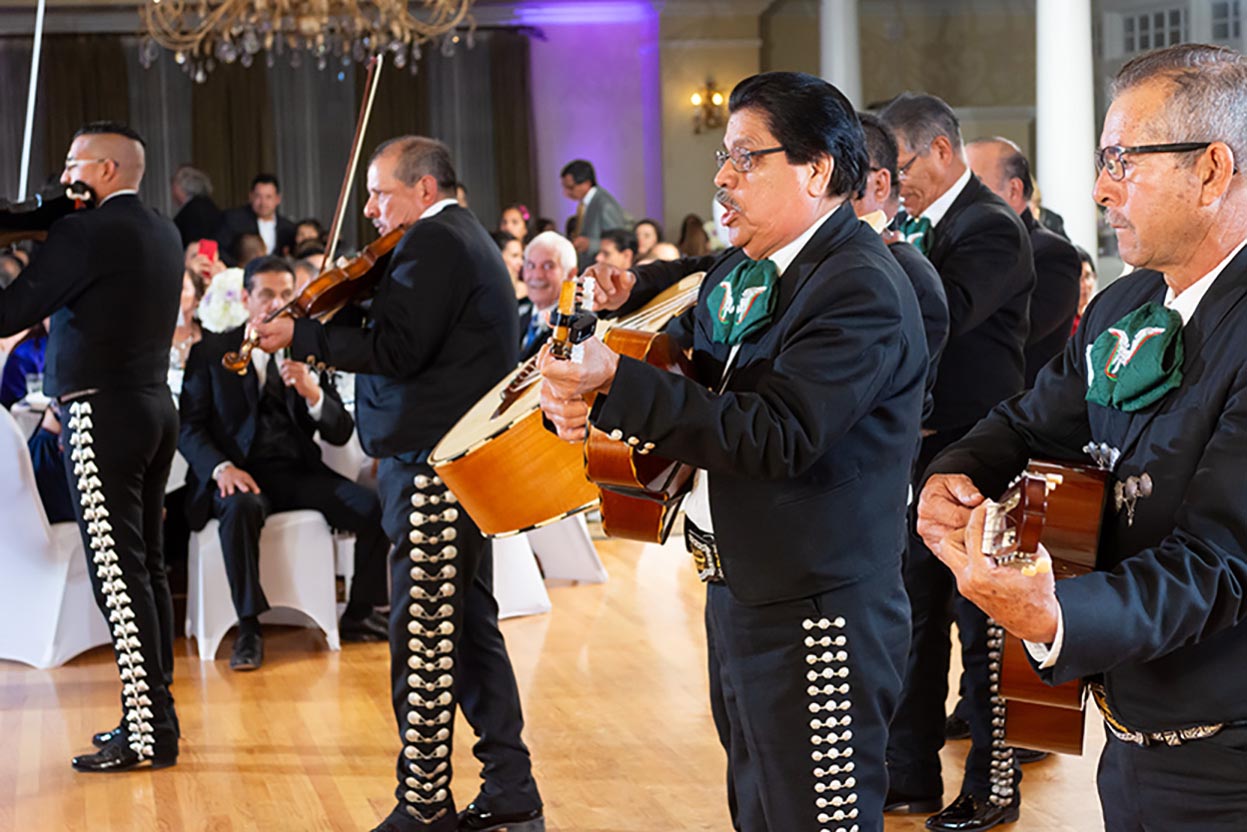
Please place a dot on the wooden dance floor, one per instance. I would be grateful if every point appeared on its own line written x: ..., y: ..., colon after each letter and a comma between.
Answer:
x: 614, y: 688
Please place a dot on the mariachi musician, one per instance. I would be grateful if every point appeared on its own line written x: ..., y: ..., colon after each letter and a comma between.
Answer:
x: 110, y: 278
x: 443, y: 333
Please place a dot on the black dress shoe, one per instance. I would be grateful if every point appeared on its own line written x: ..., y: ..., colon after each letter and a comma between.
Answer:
x: 372, y: 627
x: 248, y: 652
x: 103, y: 738
x: 969, y: 813
x: 903, y: 804
x: 1025, y: 756
x: 476, y: 819
x: 956, y: 728
x: 119, y: 756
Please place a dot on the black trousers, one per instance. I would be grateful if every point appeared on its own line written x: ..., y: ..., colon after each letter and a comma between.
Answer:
x: 120, y: 445
x: 446, y: 650
x: 1201, y: 785
x: 917, y: 731
x: 802, y: 692
x: 288, y: 487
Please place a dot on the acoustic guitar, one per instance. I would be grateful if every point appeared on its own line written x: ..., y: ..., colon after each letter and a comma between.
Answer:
x: 1061, y: 506
x: 511, y: 474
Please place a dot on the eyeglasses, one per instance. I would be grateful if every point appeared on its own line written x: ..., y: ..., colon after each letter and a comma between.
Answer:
x: 1113, y: 159
x: 741, y: 159
x: 71, y: 162
x: 903, y: 170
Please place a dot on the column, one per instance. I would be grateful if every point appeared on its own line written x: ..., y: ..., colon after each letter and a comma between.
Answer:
x: 839, y: 60
x: 1066, y: 134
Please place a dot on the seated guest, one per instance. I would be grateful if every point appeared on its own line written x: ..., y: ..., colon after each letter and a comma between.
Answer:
x: 1086, y: 285
x: 308, y: 233
x: 513, y: 255
x: 26, y: 359
x: 258, y: 216
x: 249, y: 443
x: 549, y: 260
x: 694, y: 241
x: 618, y: 248
x: 461, y: 194
x: 247, y: 248
x: 47, y: 457
x: 197, y: 216
x: 650, y: 244
x: 514, y: 221
x: 188, y: 332
x: 1005, y: 170
x: 307, y: 268
x: 203, y: 265
x: 10, y: 268
x: 545, y: 224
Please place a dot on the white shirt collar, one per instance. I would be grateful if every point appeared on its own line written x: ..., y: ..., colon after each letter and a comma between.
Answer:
x: 1186, y: 303
x: 937, y: 209
x: 438, y: 207
x: 785, y: 255
x: 589, y: 196
x: 122, y: 192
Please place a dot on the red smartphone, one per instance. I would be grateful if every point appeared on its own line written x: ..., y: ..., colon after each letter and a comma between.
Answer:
x: 208, y: 248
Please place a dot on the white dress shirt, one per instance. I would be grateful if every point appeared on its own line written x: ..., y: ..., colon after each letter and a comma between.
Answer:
x: 1185, y: 305
x: 937, y: 209
x: 122, y: 192
x: 697, y: 506
x: 268, y: 233
x: 438, y: 207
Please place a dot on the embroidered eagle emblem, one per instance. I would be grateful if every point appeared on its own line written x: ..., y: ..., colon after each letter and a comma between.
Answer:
x: 1123, y: 351
x: 748, y: 296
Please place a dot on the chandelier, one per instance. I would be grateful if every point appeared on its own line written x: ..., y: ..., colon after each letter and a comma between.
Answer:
x: 203, y: 33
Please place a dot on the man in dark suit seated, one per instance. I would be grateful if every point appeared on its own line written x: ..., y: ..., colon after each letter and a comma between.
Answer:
x: 198, y: 217
x: 811, y: 359
x: 259, y: 216
x: 1005, y: 169
x: 1152, y: 383
x: 596, y: 209
x: 249, y: 441
x: 982, y: 251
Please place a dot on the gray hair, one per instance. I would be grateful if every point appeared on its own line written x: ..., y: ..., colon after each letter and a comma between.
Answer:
x: 420, y: 156
x: 920, y: 119
x: 192, y: 181
x: 1208, y: 94
x: 562, y: 247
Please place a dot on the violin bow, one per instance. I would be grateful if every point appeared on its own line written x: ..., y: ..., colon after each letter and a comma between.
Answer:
x: 361, y: 127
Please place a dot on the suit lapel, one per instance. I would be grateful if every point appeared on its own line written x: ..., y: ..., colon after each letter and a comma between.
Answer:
x: 941, y: 232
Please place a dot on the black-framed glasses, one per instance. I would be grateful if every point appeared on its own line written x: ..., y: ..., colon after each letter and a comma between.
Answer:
x: 742, y: 159
x: 1113, y: 158
x: 903, y: 170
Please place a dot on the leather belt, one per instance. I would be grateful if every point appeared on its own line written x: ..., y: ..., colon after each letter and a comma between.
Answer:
x: 705, y: 553
x: 1177, y: 736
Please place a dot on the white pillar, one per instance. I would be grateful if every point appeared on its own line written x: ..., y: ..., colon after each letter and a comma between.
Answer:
x: 1065, y: 133
x: 839, y: 59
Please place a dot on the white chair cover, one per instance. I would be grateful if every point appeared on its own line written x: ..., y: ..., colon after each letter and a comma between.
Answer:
x: 567, y: 553
x: 296, y: 571
x: 48, y: 613
x: 518, y: 587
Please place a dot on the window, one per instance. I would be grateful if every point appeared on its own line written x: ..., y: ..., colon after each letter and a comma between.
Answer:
x: 1156, y: 29
x: 1227, y: 21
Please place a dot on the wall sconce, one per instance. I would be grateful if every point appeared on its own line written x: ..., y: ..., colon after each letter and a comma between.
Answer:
x: 708, y: 112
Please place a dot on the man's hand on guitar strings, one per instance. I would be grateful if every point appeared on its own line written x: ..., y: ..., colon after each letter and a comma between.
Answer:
x: 566, y: 383
x: 1025, y: 605
x: 570, y: 417
x: 944, y: 505
x: 612, y: 286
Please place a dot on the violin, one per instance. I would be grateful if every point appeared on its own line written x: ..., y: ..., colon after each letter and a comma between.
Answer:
x: 31, y: 218
x: 328, y: 293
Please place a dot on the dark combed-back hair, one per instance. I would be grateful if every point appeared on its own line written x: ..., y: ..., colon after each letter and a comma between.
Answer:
x: 809, y: 118
x: 920, y: 119
x: 111, y: 128
x: 265, y: 179
x: 623, y: 239
x: 580, y: 171
x: 418, y: 157
x: 267, y: 263
x: 656, y: 226
x: 880, y: 149
x: 1209, y: 95
x: 501, y: 238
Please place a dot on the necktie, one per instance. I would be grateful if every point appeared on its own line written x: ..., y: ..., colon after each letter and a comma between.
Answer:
x: 917, y: 232
x: 1136, y: 361
x: 273, y: 385
x: 580, y: 220
x: 744, y: 301
x: 534, y: 328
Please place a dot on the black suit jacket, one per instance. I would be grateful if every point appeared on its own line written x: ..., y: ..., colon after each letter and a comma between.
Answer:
x: 810, y: 446
x: 110, y: 277
x: 219, y: 410
x: 198, y: 219
x: 443, y: 332
x: 242, y: 220
x: 526, y: 313
x: 983, y: 254
x: 1054, y: 303
x: 1163, y: 616
x: 934, y: 305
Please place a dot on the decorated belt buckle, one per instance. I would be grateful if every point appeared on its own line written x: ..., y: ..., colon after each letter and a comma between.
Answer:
x: 705, y: 553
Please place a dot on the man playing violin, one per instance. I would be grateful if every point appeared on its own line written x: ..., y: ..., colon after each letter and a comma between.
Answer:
x: 1152, y: 383
x: 107, y: 363
x: 443, y: 332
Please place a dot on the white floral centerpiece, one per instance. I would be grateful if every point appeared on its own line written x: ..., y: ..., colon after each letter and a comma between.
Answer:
x: 222, y: 308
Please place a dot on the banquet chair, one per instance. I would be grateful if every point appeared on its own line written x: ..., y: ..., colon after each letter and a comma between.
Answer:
x: 48, y: 613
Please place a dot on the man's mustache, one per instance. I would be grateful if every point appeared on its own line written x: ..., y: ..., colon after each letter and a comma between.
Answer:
x: 725, y: 199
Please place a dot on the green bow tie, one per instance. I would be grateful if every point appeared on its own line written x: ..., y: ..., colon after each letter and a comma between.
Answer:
x: 744, y: 302
x: 1137, y: 360
x: 916, y: 231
